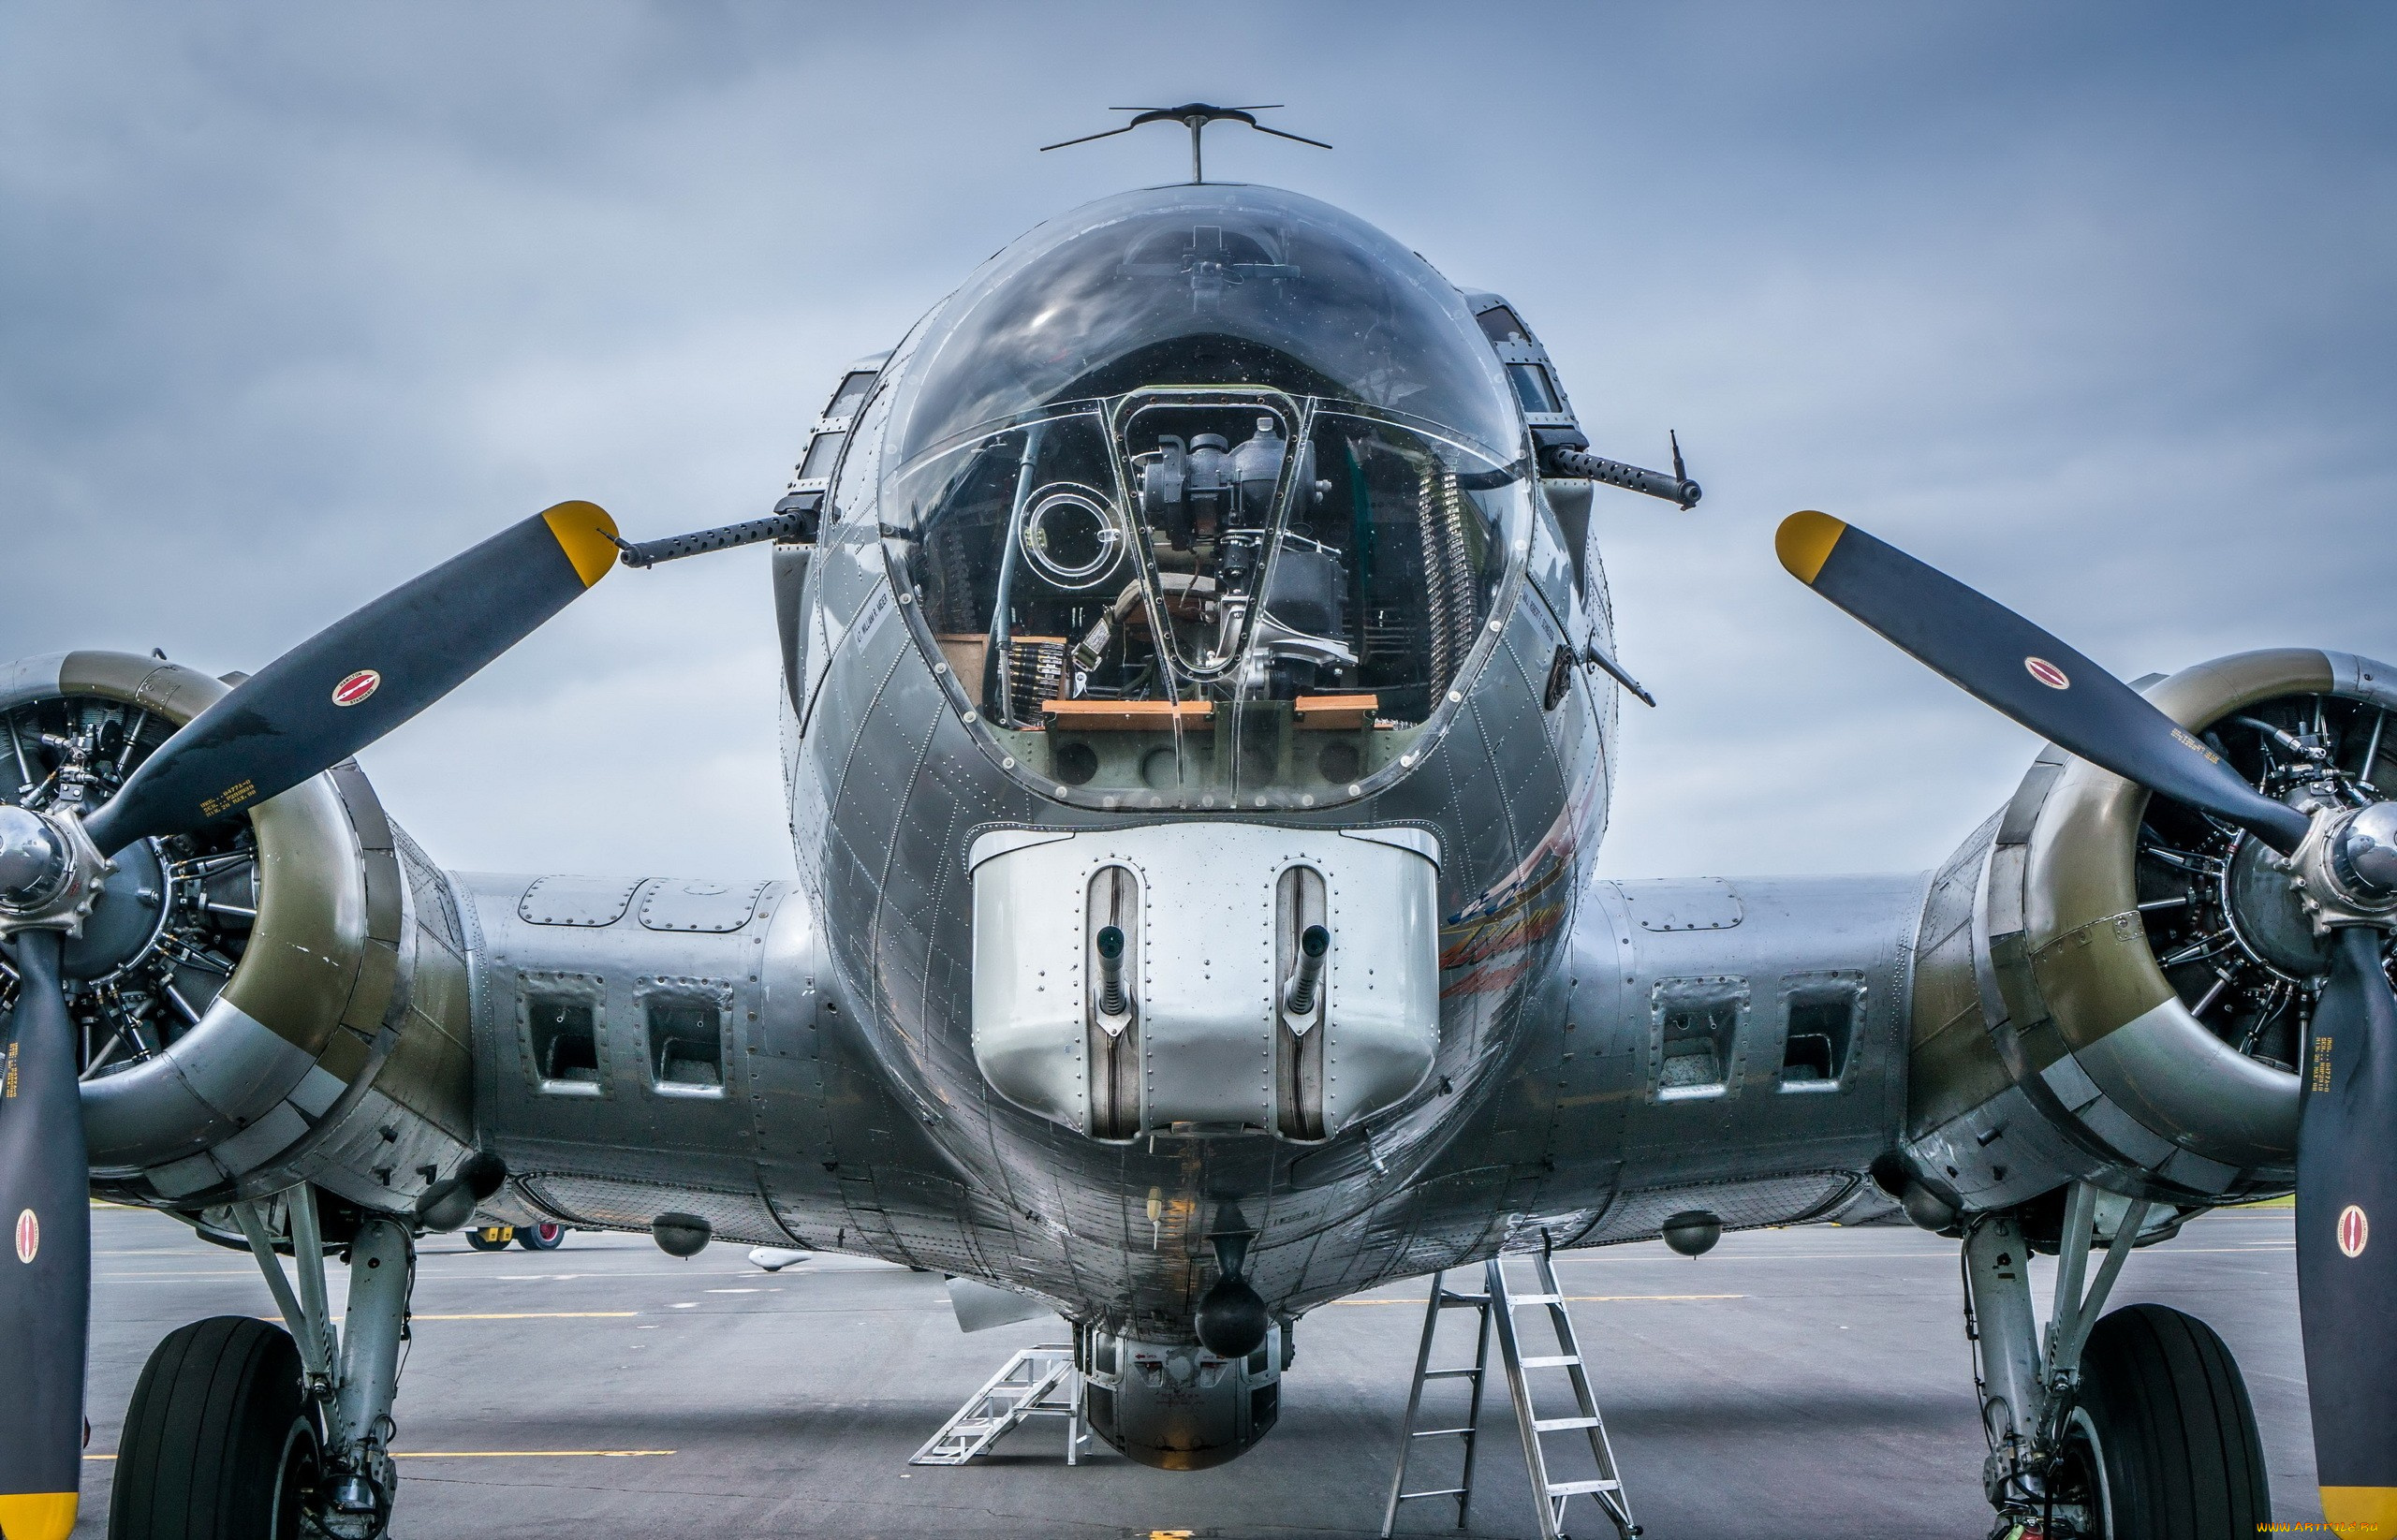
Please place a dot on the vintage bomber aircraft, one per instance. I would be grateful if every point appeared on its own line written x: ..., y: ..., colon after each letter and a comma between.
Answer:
x: 1198, y: 703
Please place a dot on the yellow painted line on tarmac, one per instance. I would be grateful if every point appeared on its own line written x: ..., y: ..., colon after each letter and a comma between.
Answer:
x: 1571, y: 1299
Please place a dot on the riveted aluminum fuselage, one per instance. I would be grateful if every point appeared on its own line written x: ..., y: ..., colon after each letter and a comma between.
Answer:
x: 888, y: 790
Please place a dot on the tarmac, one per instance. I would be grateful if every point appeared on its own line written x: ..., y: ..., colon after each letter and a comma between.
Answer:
x: 1806, y: 1383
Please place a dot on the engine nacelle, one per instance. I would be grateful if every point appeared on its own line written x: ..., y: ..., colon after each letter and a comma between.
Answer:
x: 269, y: 1000
x: 1176, y: 1406
x: 2109, y: 987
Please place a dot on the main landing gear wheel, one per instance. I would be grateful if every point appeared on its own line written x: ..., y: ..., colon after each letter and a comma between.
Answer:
x: 2161, y: 1444
x: 217, y: 1444
x: 540, y: 1238
x: 491, y: 1238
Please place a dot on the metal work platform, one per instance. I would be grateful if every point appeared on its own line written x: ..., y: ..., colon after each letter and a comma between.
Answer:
x: 1495, y: 1307
x: 1039, y: 1381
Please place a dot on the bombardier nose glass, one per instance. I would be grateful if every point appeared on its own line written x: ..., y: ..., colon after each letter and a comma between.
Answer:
x: 1209, y: 510
x: 1250, y: 507
x: 1160, y: 613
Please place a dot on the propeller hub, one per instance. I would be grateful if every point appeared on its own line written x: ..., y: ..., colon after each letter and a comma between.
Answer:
x: 2345, y: 870
x: 35, y: 862
x: 2365, y: 857
x: 49, y: 872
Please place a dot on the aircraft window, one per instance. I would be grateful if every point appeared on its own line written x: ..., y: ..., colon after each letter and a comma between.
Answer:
x: 1822, y: 1024
x: 1696, y: 1027
x: 564, y: 1040
x: 822, y: 455
x: 1501, y: 325
x: 685, y: 1045
x: 1533, y: 388
x: 1189, y: 596
x: 1205, y: 286
x: 851, y: 395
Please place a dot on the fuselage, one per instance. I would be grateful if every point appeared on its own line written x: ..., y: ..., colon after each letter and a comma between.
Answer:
x: 1189, y: 575
x: 891, y: 782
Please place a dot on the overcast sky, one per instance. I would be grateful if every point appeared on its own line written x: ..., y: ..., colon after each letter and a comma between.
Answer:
x: 2090, y: 306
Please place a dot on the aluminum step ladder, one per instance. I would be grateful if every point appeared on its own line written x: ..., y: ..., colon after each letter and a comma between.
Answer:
x: 1442, y: 1299
x: 1496, y: 1307
x: 1039, y: 1381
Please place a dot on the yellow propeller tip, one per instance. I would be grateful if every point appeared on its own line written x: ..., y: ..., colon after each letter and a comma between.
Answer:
x: 38, y: 1516
x: 1804, y: 543
x: 586, y: 534
x: 2360, y: 1509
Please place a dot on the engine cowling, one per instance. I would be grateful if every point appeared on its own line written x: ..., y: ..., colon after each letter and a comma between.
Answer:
x: 2111, y: 987
x: 269, y: 1000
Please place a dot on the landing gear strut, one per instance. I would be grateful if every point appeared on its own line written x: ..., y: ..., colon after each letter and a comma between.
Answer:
x: 2135, y: 1426
x: 241, y: 1431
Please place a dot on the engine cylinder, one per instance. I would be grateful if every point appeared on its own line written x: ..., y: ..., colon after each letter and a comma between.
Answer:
x: 2108, y: 986
x: 267, y: 1000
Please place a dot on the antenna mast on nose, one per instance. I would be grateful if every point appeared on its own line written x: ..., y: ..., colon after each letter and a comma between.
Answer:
x: 1194, y: 116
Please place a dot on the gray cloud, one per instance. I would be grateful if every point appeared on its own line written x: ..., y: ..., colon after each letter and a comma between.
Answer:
x: 2092, y: 307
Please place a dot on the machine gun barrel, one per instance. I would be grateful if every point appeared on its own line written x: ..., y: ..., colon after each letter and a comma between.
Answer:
x: 1298, y: 998
x: 1111, y: 973
x: 1558, y: 460
x: 794, y: 519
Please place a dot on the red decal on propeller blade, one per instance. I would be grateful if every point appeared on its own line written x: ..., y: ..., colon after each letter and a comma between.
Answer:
x: 2047, y: 673
x: 29, y: 1237
x: 2355, y: 1230
x: 357, y: 687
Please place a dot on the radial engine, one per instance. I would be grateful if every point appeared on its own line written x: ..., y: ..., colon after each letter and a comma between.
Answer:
x: 2113, y: 987
x: 265, y: 1001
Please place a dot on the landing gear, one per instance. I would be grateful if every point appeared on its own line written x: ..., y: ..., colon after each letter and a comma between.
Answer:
x: 540, y: 1238
x: 2163, y: 1426
x: 2133, y: 1426
x: 241, y: 1430
x: 491, y: 1238
x: 220, y: 1442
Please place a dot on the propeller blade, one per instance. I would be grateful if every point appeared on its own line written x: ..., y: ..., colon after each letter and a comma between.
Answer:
x: 360, y: 677
x: 2004, y: 661
x: 46, y: 1272
x: 2346, y: 1276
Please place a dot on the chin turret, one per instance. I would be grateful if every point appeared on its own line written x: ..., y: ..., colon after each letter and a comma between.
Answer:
x: 1181, y: 1405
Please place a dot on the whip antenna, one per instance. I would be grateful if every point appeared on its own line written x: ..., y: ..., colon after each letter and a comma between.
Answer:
x: 1194, y: 116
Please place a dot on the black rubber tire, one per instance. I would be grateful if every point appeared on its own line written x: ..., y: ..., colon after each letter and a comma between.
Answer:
x: 216, y: 1444
x: 481, y: 1240
x: 2174, y: 1428
x: 540, y: 1238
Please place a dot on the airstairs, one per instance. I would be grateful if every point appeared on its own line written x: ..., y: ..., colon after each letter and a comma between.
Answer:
x: 1039, y: 1381
x: 1496, y: 1310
